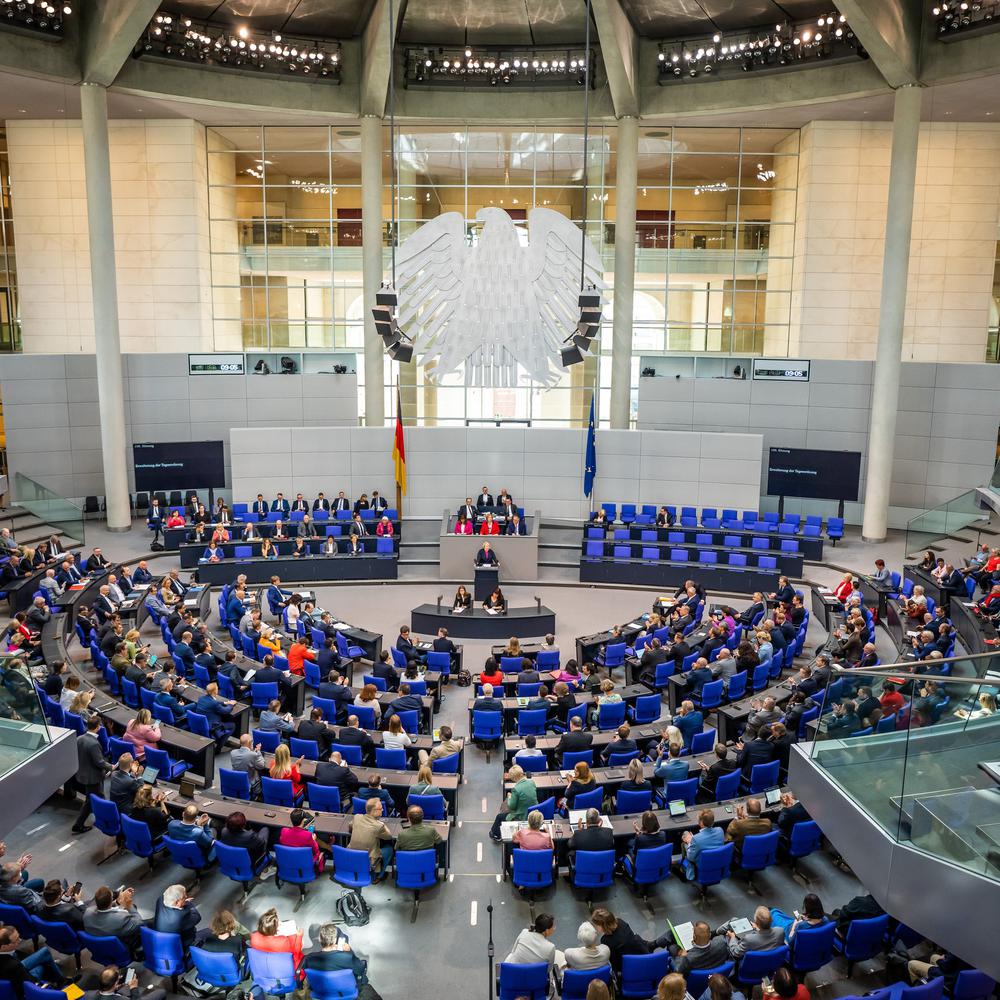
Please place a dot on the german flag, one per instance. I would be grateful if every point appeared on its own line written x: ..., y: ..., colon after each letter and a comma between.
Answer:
x: 399, y: 449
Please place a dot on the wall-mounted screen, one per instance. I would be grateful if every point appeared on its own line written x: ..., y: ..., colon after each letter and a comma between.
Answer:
x: 813, y: 473
x: 781, y: 370
x: 179, y: 465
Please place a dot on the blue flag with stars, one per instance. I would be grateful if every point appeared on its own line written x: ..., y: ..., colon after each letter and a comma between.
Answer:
x: 590, y: 467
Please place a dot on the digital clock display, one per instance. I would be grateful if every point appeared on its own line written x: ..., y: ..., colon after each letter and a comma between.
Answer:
x: 216, y: 364
x: 780, y: 370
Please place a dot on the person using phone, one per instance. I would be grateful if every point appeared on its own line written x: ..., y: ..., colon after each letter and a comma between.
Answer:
x: 117, y: 983
x: 300, y: 834
x: 62, y: 904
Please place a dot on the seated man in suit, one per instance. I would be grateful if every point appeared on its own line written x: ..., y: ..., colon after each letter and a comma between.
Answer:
x: 114, y: 914
x: 515, y: 526
x: 747, y: 822
x: 623, y: 743
x: 336, y: 689
x: 385, y: 670
x: 353, y: 735
x: 698, y: 676
x: 485, y: 499
x: 405, y: 645
x: 260, y: 507
x: 177, y: 914
x: 707, y: 837
x: 167, y: 699
x: 300, y: 503
x: 487, y: 703
x: 219, y: 713
x: 280, y: 504
x: 469, y: 509
x: 336, y: 774
x: 756, y: 607
x: 689, y: 721
x: 341, y: 502
x: 406, y: 702
x: 321, y: 503
x: 195, y: 828
x: 314, y: 728
x: 591, y: 836
x: 575, y: 740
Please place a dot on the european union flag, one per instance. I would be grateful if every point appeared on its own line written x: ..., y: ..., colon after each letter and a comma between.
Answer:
x: 590, y: 467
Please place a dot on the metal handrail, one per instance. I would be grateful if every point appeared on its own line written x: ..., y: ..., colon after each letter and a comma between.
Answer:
x: 904, y: 665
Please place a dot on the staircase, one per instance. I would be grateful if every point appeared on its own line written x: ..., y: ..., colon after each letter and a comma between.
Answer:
x: 419, y: 558
x: 29, y: 530
x: 559, y: 552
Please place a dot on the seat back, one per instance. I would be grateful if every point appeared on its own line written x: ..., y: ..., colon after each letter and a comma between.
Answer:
x: 274, y: 971
x: 352, y: 754
x: 138, y: 839
x: 234, y: 862
x: 589, y: 800
x: 865, y: 938
x: 295, y: 864
x: 532, y: 869
x: 652, y: 864
x: 760, y: 851
x: 714, y: 865
x: 636, y: 801
x: 594, y: 869
x: 727, y: 786
x: 105, y: 950
x: 573, y: 757
x: 277, y: 792
x: 17, y: 916
x: 416, y: 869
x: 325, y: 798
x: 432, y: 805
x: 813, y: 946
x: 448, y: 764
x: 971, y: 984
x: 393, y: 758
x: 106, y: 817
x: 163, y: 953
x: 218, y: 968
x: 755, y: 965
x: 523, y: 982
x: 185, y: 853
x: 531, y: 722
x: 351, y: 867
x: 334, y: 985
x: 686, y: 790
x: 487, y: 725
x: 764, y: 776
x: 610, y: 715
x: 641, y: 974
x: 268, y: 741
x: 234, y: 784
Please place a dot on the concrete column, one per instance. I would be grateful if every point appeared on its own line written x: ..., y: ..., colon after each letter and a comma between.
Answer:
x: 371, y: 263
x: 892, y: 311
x: 111, y: 399
x: 621, y: 340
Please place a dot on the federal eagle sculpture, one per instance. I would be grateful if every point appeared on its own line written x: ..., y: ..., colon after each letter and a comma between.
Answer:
x: 494, y: 305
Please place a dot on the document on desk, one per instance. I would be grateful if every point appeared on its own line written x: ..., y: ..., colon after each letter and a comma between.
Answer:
x: 341, y: 625
x: 491, y: 611
x: 509, y: 827
x: 577, y: 816
x: 457, y: 611
x: 824, y: 590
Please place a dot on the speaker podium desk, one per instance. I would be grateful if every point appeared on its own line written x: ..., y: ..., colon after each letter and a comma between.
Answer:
x: 518, y: 554
x: 475, y: 623
x: 487, y: 579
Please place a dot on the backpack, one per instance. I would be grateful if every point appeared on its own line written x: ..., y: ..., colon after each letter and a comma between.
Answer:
x: 353, y: 909
x: 463, y: 678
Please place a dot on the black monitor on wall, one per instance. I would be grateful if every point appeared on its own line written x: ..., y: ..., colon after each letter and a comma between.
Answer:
x: 179, y: 465
x: 813, y: 473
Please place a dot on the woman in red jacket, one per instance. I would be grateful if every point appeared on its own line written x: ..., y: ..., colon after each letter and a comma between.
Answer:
x: 489, y: 526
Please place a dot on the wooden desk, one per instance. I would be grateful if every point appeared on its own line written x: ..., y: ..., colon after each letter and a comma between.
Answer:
x: 732, y: 717
x: 643, y: 736
x: 588, y: 646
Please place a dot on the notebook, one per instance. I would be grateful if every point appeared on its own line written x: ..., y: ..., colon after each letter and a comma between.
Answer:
x: 577, y: 816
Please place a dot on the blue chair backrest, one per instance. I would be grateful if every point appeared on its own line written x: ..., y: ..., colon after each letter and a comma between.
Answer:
x: 234, y: 862
x: 589, y: 800
x: 487, y: 725
x: 763, y: 776
x: 398, y: 657
x: 531, y: 722
x: 105, y: 950
x: 438, y: 661
x: 652, y: 864
x: 510, y: 664
x: 138, y: 839
x: 198, y: 724
x: 532, y: 869
x: 703, y: 742
x: 393, y: 758
x: 611, y: 715
x: 434, y: 806
x: 755, y: 965
x: 573, y: 757
x: 308, y: 749
x: 185, y: 853
x: 727, y: 786
x: 972, y: 984
x: 594, y: 869
x: 865, y: 938
x: 277, y: 792
x: 352, y: 754
x: 633, y: 801
x: 528, y: 690
x: 678, y: 555
x: 106, y: 816
x: 760, y: 851
x: 274, y: 971
x: 530, y: 982
x: 737, y: 686
x: 647, y: 708
x: 218, y: 968
x: 813, y: 946
x: 409, y: 719
x: 711, y: 694
x: 416, y: 869
x: 234, y: 784
x: 17, y: 916
x: 333, y: 985
x: 641, y: 974
x: 714, y: 864
x: 325, y: 798
x: 268, y: 740
x: 328, y: 707
x: 163, y: 953
x: 448, y: 764
x: 351, y: 868
x: 530, y: 764
x: 295, y: 864
x: 686, y: 790
x: 366, y: 716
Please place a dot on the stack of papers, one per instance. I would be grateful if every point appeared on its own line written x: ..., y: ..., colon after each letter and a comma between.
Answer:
x: 577, y: 816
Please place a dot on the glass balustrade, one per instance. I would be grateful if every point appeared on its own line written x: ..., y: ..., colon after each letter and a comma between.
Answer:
x: 925, y: 765
x: 49, y: 507
x: 24, y: 730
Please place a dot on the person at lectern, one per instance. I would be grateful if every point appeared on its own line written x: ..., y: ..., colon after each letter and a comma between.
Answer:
x: 486, y: 556
x: 463, y: 599
x: 496, y: 602
x: 489, y: 526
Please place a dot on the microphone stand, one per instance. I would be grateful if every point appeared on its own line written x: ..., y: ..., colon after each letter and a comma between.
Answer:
x: 489, y: 951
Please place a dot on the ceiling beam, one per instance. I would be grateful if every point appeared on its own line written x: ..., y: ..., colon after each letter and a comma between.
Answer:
x: 760, y: 91
x: 44, y: 58
x: 620, y: 52
x: 959, y: 58
x: 376, y: 56
x: 890, y: 32
x: 108, y: 34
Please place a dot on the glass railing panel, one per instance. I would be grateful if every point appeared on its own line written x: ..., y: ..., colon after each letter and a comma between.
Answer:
x: 932, y: 525
x: 23, y: 727
x: 49, y: 507
x: 917, y: 746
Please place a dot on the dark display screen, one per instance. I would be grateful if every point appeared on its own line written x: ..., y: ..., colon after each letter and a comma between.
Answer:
x: 179, y: 465
x: 810, y: 472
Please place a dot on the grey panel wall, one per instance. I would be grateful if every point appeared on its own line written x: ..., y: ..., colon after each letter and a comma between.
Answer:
x: 946, y: 435
x: 541, y: 468
x: 53, y: 427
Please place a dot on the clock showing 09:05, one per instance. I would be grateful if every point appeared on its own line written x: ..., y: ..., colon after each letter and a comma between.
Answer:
x: 216, y: 364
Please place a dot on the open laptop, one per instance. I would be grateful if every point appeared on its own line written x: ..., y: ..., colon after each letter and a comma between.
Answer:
x: 149, y: 775
x: 772, y: 797
x: 677, y: 808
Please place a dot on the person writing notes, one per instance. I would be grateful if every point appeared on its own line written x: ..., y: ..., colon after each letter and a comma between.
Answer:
x: 463, y: 599
x: 496, y: 603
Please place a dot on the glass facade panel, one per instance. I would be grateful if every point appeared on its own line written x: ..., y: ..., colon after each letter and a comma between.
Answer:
x: 715, y: 233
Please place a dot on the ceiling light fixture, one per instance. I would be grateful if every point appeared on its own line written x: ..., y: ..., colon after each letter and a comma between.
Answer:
x: 961, y: 19
x: 490, y: 66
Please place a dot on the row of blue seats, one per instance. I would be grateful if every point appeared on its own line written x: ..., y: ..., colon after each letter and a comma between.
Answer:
x: 599, y: 550
x: 762, y: 542
x: 711, y: 517
x: 380, y: 545
x: 241, y: 513
x: 812, y: 948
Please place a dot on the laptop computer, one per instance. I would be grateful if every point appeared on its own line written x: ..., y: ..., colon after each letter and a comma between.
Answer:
x: 149, y: 775
x: 677, y: 808
x: 772, y: 797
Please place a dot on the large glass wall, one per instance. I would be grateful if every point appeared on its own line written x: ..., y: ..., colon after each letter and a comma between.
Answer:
x: 716, y: 214
x: 10, y: 328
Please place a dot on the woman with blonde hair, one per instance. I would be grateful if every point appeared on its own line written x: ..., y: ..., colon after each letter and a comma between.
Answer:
x: 267, y: 938
x: 672, y: 987
x: 367, y: 697
x: 513, y: 647
x: 141, y: 732
x: 270, y: 639
x: 132, y: 644
x: 533, y: 837
x: 148, y: 807
x: 283, y: 768
x: 167, y: 594
x: 267, y: 549
x: 425, y: 782
x: 81, y: 703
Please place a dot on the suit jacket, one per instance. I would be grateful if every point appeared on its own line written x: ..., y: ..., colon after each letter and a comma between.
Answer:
x: 122, y: 789
x: 341, y: 503
x: 484, y: 558
x: 260, y: 508
x: 339, y: 776
x: 341, y: 695
x: 388, y: 673
x: 309, y: 730
x: 484, y: 500
x: 323, y: 504
x: 469, y: 510
x: 174, y: 920
x: 592, y: 838
x: 114, y: 922
x: 757, y: 751
x: 91, y: 765
x: 302, y: 505
x: 281, y: 505
x: 488, y: 705
x: 519, y: 529
x: 349, y: 736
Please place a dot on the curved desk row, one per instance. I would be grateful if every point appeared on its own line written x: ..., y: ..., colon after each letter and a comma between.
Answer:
x: 304, y: 570
x: 810, y: 546
x: 174, y: 538
x: 645, y: 573
x: 787, y: 563
x: 197, y: 751
x: 475, y: 623
x: 192, y: 553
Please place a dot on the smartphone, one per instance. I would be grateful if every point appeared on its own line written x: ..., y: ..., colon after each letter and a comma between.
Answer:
x: 77, y: 886
x: 729, y: 809
x: 129, y: 976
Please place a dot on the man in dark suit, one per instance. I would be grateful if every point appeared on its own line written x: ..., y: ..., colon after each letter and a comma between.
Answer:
x: 747, y: 616
x: 698, y: 676
x: 515, y: 526
x: 68, y: 574
x: 11, y: 571
x: 623, y: 743
x: 591, y: 836
x: 300, y: 503
x: 442, y: 644
x: 652, y: 656
x: 721, y: 766
x: 405, y: 645
x: 314, y: 728
x: 378, y: 502
x: 125, y: 782
x: 177, y: 914
x: 337, y: 774
x: 384, y: 669
x: 90, y: 771
x: 469, y: 509
x: 792, y: 812
x: 321, y: 503
x: 575, y: 740
x: 281, y: 505
x: 485, y: 499
x: 679, y: 649
x: 336, y: 689
x: 260, y: 507
x: 327, y: 658
x: 759, y: 750
x: 406, y: 702
x: 111, y: 985
x: 341, y: 503
x: 352, y: 735
x: 486, y: 702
